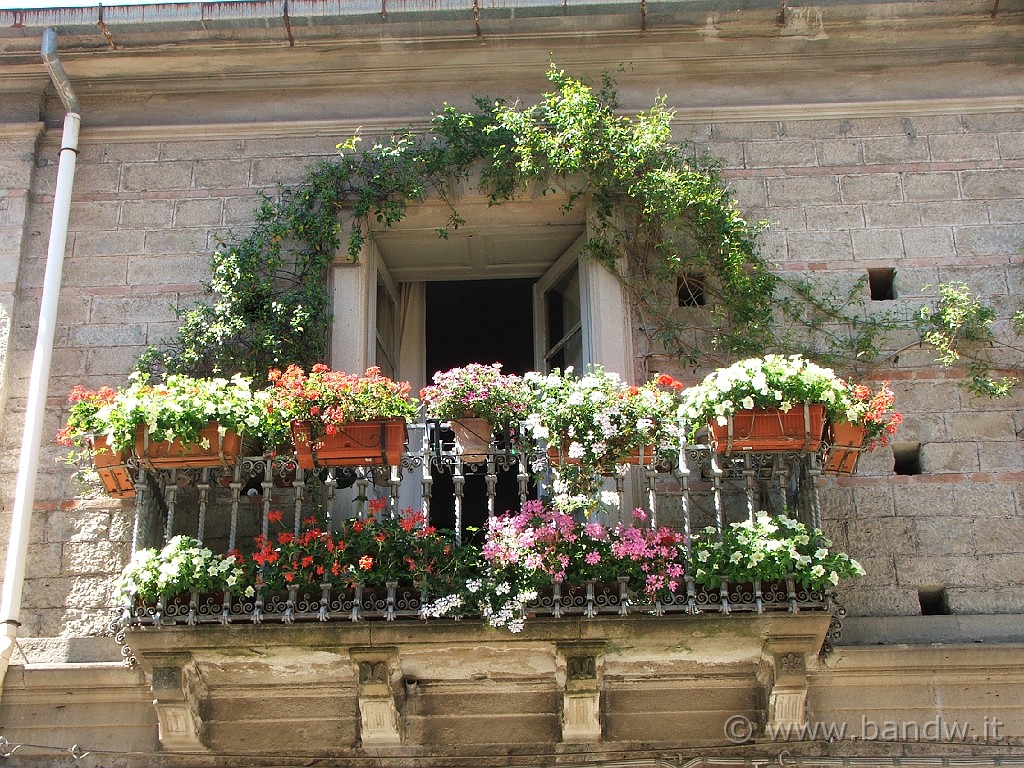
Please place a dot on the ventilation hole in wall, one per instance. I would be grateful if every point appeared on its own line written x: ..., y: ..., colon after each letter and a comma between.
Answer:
x: 690, y: 290
x: 882, y: 283
x: 907, y: 458
x: 933, y: 600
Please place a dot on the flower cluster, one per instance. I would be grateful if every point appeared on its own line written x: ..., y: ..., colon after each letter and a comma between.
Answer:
x: 183, y: 565
x: 178, y: 408
x: 872, y: 410
x: 370, y: 551
x: 327, y: 399
x: 476, y: 390
x: 770, y: 549
x: 526, y: 552
x: 83, y: 419
x: 772, y: 381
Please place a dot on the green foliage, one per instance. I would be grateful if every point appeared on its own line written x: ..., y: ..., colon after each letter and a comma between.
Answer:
x: 657, y: 203
x: 959, y: 328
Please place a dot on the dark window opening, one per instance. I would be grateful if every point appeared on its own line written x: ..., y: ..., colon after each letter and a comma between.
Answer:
x: 478, y: 321
x: 882, y: 283
x: 907, y: 458
x: 690, y: 290
x: 933, y: 600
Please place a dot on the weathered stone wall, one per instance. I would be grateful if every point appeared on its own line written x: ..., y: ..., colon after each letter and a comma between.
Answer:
x: 147, y: 214
x: 937, y: 198
x: 145, y: 217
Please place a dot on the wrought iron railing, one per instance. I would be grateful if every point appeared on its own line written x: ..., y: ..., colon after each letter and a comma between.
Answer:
x: 692, y: 488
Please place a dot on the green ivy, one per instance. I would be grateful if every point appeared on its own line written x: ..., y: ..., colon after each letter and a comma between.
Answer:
x: 659, y: 211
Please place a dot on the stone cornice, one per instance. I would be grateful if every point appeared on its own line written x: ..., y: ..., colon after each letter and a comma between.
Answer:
x: 339, y: 129
x: 19, y: 131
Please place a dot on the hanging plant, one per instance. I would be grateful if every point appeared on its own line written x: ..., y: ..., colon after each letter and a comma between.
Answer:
x: 660, y: 204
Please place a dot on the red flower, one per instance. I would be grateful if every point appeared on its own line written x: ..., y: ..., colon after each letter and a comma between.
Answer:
x: 366, y: 562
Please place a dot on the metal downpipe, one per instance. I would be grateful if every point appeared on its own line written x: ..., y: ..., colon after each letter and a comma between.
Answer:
x: 24, y: 494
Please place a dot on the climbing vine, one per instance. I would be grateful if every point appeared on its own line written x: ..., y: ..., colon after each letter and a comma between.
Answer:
x: 659, y: 214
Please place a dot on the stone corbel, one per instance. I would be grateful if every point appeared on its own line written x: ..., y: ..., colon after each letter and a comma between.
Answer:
x: 179, y: 692
x: 583, y: 664
x: 783, y: 673
x: 378, y: 674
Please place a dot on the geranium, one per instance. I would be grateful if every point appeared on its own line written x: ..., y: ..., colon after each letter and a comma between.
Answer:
x: 327, y: 399
x: 476, y: 390
x: 872, y: 410
x: 368, y: 551
x: 183, y: 565
x: 181, y: 407
x: 772, y: 381
x: 770, y: 549
x: 83, y: 420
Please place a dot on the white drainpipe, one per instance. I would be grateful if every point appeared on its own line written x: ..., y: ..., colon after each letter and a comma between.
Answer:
x: 24, y: 494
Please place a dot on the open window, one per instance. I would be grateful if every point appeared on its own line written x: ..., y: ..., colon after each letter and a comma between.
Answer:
x: 512, y: 286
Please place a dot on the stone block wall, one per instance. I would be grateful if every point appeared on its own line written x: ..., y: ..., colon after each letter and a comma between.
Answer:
x: 937, y: 198
x: 933, y: 196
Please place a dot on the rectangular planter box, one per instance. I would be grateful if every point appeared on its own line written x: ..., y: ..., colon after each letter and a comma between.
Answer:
x: 846, y: 443
x: 223, y: 451
x: 112, y: 467
x: 770, y: 429
x: 357, y: 444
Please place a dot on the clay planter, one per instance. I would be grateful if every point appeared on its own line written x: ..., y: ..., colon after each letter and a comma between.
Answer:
x: 472, y: 438
x: 846, y: 443
x: 642, y: 456
x: 112, y: 467
x: 770, y: 429
x: 357, y: 444
x: 221, y: 451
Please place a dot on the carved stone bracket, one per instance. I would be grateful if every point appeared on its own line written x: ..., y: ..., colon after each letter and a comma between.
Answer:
x: 178, y: 693
x: 783, y: 673
x: 581, y: 697
x: 377, y: 673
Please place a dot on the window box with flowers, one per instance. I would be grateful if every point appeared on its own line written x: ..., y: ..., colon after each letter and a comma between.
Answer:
x: 869, y: 421
x: 83, y: 432
x: 340, y: 419
x: 182, y: 581
x: 380, y: 564
x: 543, y: 560
x: 180, y: 422
x: 773, y: 403
x: 475, y: 400
x: 768, y: 551
x: 595, y: 423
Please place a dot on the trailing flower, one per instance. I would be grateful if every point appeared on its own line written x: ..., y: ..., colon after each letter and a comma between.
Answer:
x: 178, y: 408
x: 182, y: 565
x: 769, y: 549
x: 772, y: 381
x: 327, y: 399
x: 872, y: 410
x: 527, y: 552
x: 476, y: 390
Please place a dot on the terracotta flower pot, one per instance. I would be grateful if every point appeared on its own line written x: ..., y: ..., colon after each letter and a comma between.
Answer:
x: 472, y: 438
x: 113, y: 468
x: 360, y: 443
x: 770, y: 429
x: 846, y: 443
x: 219, y: 451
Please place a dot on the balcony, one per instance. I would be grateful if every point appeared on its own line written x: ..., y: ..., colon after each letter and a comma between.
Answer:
x: 593, y: 661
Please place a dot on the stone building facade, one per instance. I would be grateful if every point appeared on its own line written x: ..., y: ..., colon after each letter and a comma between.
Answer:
x: 876, y: 137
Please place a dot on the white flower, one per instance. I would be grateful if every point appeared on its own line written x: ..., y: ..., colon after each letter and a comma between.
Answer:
x: 576, y: 450
x: 747, y: 402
